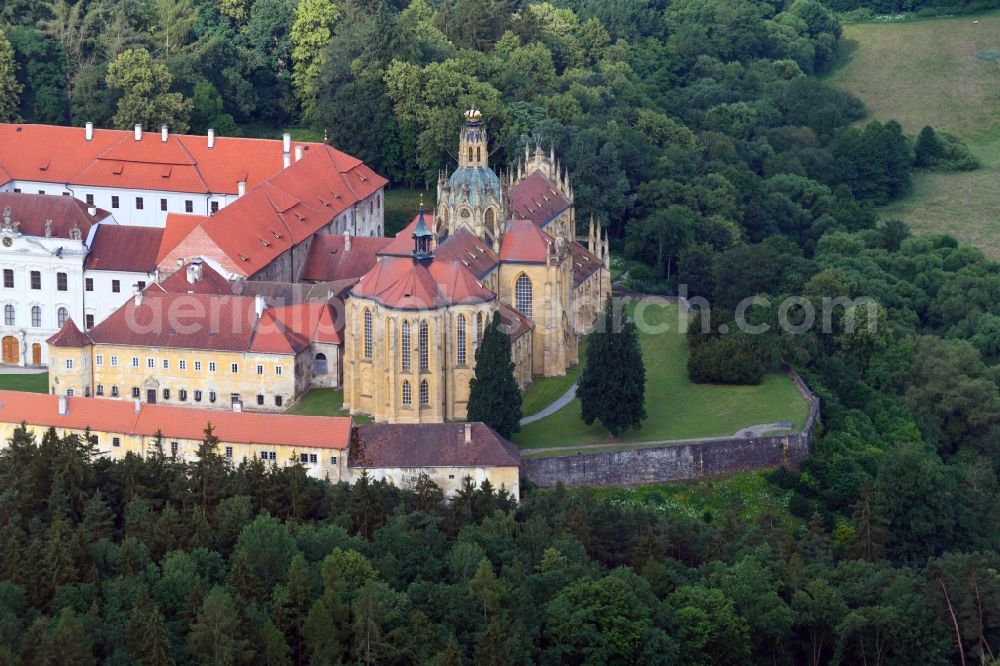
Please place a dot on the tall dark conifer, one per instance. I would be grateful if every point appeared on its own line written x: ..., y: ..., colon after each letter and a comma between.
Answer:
x: 612, y: 387
x: 494, y: 397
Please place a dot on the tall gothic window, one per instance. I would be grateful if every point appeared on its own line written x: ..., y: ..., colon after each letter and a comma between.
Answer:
x: 479, y: 154
x: 470, y: 153
x: 479, y: 328
x: 424, y: 355
x: 368, y: 333
x: 489, y: 218
x: 522, y: 295
x: 407, y: 396
x: 461, y: 339
x: 405, y: 344
x: 425, y: 394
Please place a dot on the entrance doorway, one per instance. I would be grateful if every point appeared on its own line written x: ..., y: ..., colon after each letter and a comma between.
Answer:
x: 151, y: 396
x: 11, y: 350
x: 36, y: 354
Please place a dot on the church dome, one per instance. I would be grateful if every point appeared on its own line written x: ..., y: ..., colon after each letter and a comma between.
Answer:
x: 475, y: 187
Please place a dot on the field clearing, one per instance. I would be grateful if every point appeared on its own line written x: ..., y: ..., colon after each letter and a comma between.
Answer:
x: 324, y: 402
x: 676, y: 408
x: 32, y: 383
x: 943, y: 72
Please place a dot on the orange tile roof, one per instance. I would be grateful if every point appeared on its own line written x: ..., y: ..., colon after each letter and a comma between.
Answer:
x: 404, y: 284
x: 401, y: 244
x: 247, y: 235
x: 32, y: 210
x: 210, y: 282
x: 119, y: 416
x: 524, y: 242
x: 585, y: 264
x: 316, y: 321
x: 178, y: 227
x: 466, y: 247
x: 184, y: 163
x: 196, y: 321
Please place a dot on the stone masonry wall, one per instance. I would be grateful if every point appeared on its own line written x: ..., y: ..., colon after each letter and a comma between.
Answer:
x: 678, y: 461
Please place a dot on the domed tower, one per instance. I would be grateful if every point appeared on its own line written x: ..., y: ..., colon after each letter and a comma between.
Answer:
x: 473, y: 195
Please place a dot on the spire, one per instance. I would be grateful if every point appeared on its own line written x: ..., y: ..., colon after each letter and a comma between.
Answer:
x: 606, y: 251
x: 422, y: 236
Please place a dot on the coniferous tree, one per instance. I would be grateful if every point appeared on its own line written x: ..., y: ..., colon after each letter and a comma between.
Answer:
x: 146, y: 636
x: 612, y: 387
x: 494, y: 397
x: 10, y: 89
x: 928, y: 147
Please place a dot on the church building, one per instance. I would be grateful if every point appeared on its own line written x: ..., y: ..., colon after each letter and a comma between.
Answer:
x: 497, y: 243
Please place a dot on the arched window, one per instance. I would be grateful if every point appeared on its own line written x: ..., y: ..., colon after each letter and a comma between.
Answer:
x: 320, y: 365
x: 479, y: 155
x: 479, y: 328
x: 8, y: 315
x: 460, y: 339
x: 522, y: 295
x: 424, y: 355
x: 407, y: 397
x: 490, y: 219
x: 62, y: 314
x: 368, y: 333
x: 425, y: 394
x: 36, y: 316
x: 404, y: 342
x: 470, y: 153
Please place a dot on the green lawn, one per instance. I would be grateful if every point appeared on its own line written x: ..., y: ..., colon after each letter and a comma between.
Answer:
x: 401, y: 206
x: 324, y: 402
x: 37, y: 383
x: 543, y: 392
x: 264, y: 131
x: 936, y: 72
x: 675, y: 407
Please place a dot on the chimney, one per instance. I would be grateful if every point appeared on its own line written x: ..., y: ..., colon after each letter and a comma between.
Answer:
x: 190, y: 275
x: 63, y: 406
x: 286, y: 149
x: 286, y: 160
x: 180, y: 262
x: 138, y: 132
x: 156, y: 275
x: 347, y: 241
x: 164, y: 133
x: 237, y: 406
x: 211, y: 138
x: 138, y: 405
x: 259, y: 305
x: 92, y: 211
x: 298, y: 153
x: 196, y: 264
x: 241, y: 187
x: 137, y: 295
x: 468, y: 433
x: 89, y: 131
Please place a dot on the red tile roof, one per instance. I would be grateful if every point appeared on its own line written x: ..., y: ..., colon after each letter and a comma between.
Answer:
x: 315, y: 321
x: 467, y: 248
x: 210, y: 282
x: 124, y: 248
x: 524, y: 242
x: 196, y: 321
x: 515, y: 324
x: 329, y: 261
x: 32, y: 210
x: 119, y: 416
x: 401, y: 244
x: 430, y: 445
x: 404, y: 284
x: 247, y: 235
x: 584, y: 263
x: 114, y: 158
x: 69, y: 336
x: 536, y: 198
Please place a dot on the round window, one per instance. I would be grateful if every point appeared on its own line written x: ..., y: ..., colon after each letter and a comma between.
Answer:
x: 7, y: 241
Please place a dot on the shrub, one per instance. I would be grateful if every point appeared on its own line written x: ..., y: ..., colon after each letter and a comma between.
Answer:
x: 724, y: 360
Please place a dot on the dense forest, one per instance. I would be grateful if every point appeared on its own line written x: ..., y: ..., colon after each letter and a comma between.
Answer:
x: 698, y: 132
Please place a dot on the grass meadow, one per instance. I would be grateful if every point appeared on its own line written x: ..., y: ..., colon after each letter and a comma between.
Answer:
x: 675, y: 407
x: 943, y: 72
